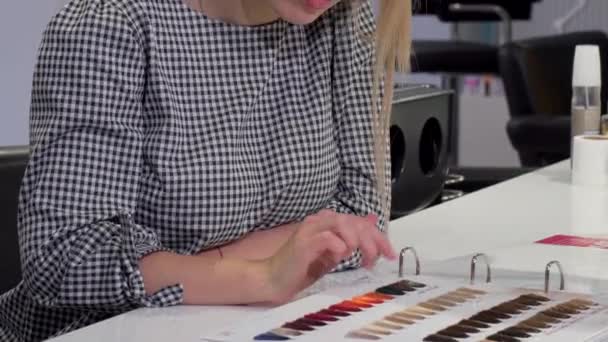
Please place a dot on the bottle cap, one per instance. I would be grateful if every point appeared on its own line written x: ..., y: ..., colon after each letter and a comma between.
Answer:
x: 587, y: 67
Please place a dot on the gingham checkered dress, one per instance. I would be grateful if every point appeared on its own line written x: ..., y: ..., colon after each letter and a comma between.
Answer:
x: 155, y: 128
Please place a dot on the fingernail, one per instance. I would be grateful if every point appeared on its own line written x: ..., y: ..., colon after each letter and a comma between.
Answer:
x: 393, y: 253
x: 390, y: 253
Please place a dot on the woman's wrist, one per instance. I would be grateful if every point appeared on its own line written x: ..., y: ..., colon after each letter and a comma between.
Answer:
x: 259, y: 276
x: 249, y: 280
x: 156, y: 269
x: 208, y: 278
x: 260, y: 245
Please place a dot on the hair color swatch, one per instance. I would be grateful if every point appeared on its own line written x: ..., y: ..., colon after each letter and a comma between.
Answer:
x: 431, y: 311
x: 346, y: 308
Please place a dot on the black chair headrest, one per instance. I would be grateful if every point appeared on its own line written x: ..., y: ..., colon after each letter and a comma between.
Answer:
x: 538, y: 72
x: 518, y: 9
x: 14, y: 154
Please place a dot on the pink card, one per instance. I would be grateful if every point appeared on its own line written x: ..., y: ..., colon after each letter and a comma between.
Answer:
x: 576, y: 241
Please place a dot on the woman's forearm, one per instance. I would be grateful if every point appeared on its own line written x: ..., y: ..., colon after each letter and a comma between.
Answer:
x: 236, y: 276
x: 207, y: 279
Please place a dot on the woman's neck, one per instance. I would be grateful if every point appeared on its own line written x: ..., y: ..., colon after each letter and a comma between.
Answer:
x: 240, y: 12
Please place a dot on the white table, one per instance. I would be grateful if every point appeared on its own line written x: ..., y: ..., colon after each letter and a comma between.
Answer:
x: 525, y: 209
x: 513, y: 213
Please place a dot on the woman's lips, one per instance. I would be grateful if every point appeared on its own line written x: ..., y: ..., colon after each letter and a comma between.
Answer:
x: 318, y: 4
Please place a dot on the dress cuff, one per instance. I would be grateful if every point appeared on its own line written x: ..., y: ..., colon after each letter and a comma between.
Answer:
x: 140, y: 243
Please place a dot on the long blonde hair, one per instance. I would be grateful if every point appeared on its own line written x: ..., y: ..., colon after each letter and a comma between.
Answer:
x: 393, y: 45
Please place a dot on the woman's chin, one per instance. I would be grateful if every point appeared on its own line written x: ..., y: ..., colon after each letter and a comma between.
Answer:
x: 302, y: 12
x: 302, y: 18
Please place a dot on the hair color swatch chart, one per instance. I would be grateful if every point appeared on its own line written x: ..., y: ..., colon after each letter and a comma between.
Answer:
x: 420, y: 308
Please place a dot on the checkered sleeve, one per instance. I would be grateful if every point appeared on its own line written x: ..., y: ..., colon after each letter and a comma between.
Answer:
x: 357, y: 191
x: 80, y: 244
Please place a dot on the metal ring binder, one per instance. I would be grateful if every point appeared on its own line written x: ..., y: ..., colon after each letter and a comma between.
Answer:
x: 402, y: 259
x: 452, y: 179
x: 474, y: 261
x: 562, y: 282
x: 450, y: 195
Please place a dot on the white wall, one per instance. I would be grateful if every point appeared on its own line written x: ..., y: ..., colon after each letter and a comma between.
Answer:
x: 593, y: 17
x: 21, y: 25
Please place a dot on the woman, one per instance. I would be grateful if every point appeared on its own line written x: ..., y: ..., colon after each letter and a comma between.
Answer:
x: 201, y: 152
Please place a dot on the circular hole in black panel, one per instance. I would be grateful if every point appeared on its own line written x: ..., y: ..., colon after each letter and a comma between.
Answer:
x: 430, y: 146
x: 398, y: 151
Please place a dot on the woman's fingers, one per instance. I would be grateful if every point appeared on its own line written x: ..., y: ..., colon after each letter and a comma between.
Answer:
x: 363, y: 233
x: 326, y: 242
x: 320, y: 267
x: 369, y: 251
x: 356, y: 232
x: 318, y: 245
x: 347, y: 228
x: 380, y: 241
x: 384, y: 246
x: 325, y: 251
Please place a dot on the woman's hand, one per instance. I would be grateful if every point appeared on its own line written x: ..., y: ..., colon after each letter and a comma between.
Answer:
x: 317, y: 246
x: 259, y: 245
x: 308, y: 250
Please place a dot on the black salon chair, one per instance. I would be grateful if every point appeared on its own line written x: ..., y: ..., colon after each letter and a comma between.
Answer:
x: 537, y: 75
x: 466, y: 57
x: 13, y: 161
x: 457, y: 57
x: 453, y: 58
x: 418, y: 136
x: 462, y: 57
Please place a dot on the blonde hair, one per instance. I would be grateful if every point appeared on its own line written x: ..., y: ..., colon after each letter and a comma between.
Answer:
x: 393, y: 45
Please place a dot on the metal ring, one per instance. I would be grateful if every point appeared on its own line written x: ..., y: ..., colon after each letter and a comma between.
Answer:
x: 562, y: 281
x: 402, y: 259
x: 450, y: 195
x: 474, y: 261
x: 452, y: 179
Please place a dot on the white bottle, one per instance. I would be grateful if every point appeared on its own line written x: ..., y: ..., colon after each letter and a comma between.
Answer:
x: 586, y: 91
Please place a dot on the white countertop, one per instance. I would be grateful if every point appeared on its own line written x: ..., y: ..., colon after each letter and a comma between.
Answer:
x: 519, y: 211
x: 508, y: 215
